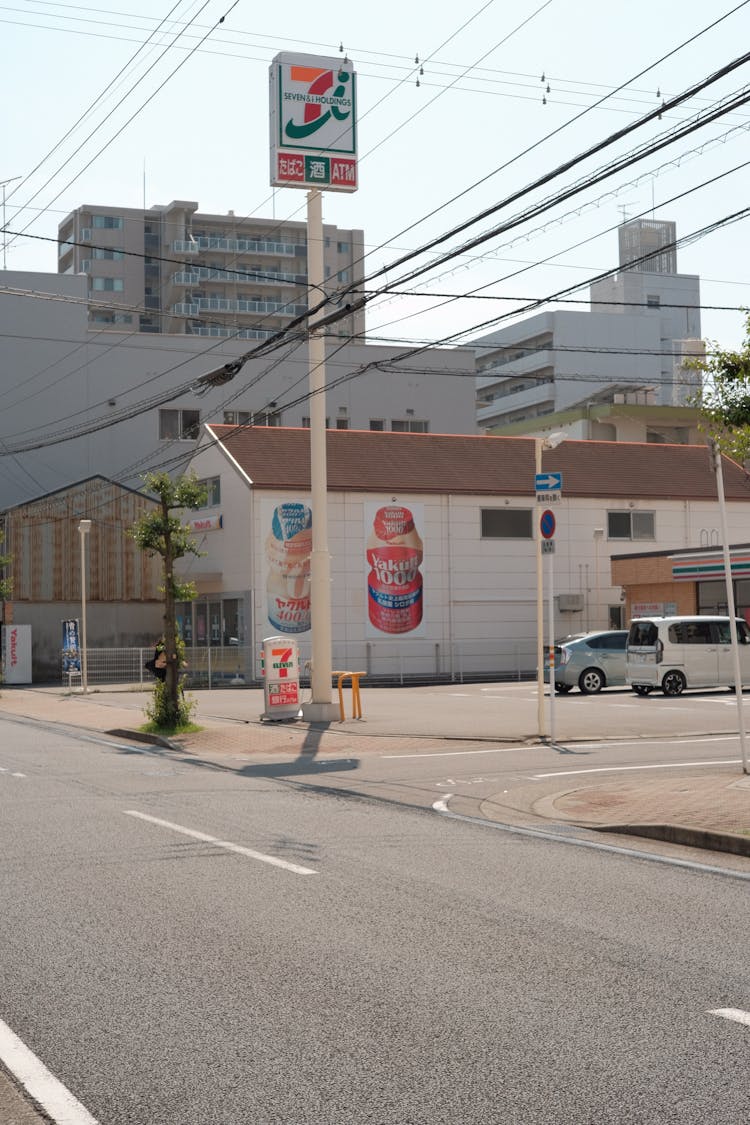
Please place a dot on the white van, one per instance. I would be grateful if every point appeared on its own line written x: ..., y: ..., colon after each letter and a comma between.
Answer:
x: 674, y: 653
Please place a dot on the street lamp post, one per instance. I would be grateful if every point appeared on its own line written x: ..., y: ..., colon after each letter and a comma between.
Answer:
x: 84, y: 527
x: 3, y: 183
x: 715, y: 455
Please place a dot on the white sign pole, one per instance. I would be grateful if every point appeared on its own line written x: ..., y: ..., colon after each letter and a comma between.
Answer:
x: 540, y: 717
x: 551, y: 643
x: 320, y: 708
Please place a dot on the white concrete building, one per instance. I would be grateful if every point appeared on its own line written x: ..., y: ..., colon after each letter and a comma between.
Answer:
x: 641, y: 324
x: 172, y: 268
x: 124, y: 402
x: 473, y: 507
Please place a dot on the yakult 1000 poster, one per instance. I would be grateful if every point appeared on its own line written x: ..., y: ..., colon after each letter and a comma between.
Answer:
x: 394, y: 557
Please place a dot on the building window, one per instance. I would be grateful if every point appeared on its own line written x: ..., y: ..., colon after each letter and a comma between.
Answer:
x: 107, y: 222
x: 343, y: 275
x: 631, y: 525
x: 377, y: 424
x: 653, y: 301
x: 103, y: 255
x: 342, y: 247
x: 250, y: 418
x: 342, y: 423
x: 212, y: 486
x: 409, y: 426
x: 108, y: 284
x: 506, y: 523
x: 179, y: 425
x: 110, y: 318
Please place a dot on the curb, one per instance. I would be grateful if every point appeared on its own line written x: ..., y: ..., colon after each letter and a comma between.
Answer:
x: 150, y: 739
x: 680, y: 834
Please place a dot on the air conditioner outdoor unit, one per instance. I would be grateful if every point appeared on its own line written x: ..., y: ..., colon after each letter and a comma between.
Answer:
x: 570, y: 603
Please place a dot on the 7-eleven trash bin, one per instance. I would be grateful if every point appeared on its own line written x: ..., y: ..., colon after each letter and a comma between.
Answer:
x: 281, y: 692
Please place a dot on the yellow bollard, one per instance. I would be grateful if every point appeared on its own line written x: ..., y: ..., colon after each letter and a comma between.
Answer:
x: 356, y: 698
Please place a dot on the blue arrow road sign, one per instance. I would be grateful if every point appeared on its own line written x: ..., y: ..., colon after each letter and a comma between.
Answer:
x: 548, y: 482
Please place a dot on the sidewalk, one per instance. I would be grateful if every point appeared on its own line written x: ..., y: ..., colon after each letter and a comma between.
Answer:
x: 699, y: 807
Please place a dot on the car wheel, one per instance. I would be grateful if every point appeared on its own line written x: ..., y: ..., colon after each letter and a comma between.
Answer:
x: 591, y: 681
x: 674, y: 683
x: 562, y: 689
x: 641, y: 689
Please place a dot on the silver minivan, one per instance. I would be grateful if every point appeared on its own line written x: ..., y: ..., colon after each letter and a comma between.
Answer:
x: 675, y: 653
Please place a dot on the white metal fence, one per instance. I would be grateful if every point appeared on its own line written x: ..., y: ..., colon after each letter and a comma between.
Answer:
x: 412, y: 661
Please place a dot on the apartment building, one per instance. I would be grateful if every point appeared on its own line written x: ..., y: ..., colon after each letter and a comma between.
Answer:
x: 630, y: 345
x: 177, y: 270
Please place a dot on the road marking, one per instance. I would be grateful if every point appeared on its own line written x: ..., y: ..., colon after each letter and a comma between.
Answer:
x: 18, y: 775
x: 54, y: 1098
x: 442, y: 804
x: 225, y: 844
x: 735, y: 1014
x: 625, y: 769
x: 456, y: 753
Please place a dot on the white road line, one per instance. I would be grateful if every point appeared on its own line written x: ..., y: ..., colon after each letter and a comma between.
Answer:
x: 456, y: 753
x: 626, y: 769
x: 225, y: 844
x: 18, y: 775
x: 616, y: 742
x: 54, y: 1098
x: 735, y: 1014
x: 442, y: 804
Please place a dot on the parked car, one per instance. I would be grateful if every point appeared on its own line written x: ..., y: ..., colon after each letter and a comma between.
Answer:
x: 674, y: 653
x: 591, y: 662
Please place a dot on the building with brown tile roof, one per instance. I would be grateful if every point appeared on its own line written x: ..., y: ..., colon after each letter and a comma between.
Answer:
x: 474, y: 508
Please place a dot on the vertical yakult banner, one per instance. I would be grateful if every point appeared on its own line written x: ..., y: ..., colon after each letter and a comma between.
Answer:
x: 313, y: 122
x: 394, y: 557
x: 287, y: 538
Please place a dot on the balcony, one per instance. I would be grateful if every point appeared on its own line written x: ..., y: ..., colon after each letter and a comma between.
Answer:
x: 235, y: 333
x: 239, y: 277
x: 201, y: 305
x: 498, y: 412
x: 240, y: 246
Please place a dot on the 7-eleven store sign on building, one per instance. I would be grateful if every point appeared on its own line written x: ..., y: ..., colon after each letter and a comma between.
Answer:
x: 313, y: 122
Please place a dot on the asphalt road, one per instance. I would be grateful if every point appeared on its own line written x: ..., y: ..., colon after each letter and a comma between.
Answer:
x: 186, y: 945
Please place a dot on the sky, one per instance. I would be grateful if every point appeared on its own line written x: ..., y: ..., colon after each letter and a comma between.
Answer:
x: 459, y: 108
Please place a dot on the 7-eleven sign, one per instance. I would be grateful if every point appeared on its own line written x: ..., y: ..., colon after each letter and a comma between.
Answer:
x: 281, y: 687
x: 313, y: 122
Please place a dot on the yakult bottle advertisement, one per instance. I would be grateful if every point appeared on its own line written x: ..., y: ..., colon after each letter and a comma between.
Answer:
x: 394, y: 554
x: 287, y: 550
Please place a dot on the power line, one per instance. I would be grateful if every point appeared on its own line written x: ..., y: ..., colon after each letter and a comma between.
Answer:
x: 132, y: 117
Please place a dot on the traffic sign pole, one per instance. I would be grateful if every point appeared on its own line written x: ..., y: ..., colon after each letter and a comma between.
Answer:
x: 551, y: 640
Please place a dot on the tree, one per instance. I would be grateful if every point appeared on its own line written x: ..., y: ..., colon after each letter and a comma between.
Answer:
x: 724, y: 397
x: 161, y: 532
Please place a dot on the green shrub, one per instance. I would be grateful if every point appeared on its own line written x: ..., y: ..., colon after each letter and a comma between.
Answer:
x: 162, y: 712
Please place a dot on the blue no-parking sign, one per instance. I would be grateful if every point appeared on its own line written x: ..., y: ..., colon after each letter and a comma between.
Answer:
x: 547, y: 524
